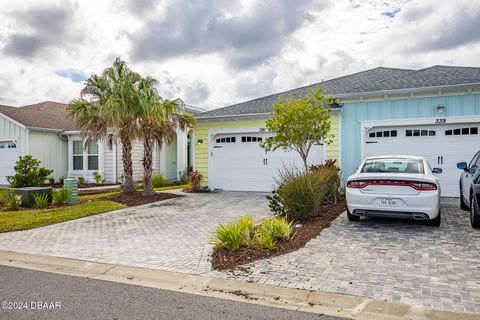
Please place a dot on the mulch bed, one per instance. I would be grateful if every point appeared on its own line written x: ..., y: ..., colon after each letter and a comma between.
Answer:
x: 97, y: 191
x: 136, y: 199
x: 81, y: 186
x: 224, y: 260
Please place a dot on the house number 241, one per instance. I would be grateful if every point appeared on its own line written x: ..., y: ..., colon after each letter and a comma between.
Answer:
x: 440, y: 120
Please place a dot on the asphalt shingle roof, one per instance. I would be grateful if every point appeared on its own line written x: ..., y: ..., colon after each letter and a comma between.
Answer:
x: 48, y: 115
x: 373, y: 80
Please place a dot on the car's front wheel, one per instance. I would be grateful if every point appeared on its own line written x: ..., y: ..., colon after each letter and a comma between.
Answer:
x: 435, y: 222
x: 351, y: 217
x: 474, y: 214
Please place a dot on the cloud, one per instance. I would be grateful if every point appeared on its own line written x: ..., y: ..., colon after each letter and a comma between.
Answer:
x: 41, y: 27
x: 245, y: 37
x: 73, y: 75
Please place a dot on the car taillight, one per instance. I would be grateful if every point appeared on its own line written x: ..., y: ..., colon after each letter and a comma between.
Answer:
x: 357, y: 184
x: 424, y: 186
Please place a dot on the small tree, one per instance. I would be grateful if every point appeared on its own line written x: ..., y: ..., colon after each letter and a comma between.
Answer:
x: 28, y: 173
x: 299, y: 123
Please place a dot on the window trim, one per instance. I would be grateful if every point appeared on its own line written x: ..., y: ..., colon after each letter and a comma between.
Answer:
x: 85, y: 155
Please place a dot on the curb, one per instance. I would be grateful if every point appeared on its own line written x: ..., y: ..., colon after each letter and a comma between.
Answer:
x: 350, y: 307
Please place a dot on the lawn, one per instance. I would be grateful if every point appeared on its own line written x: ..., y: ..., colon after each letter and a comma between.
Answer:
x: 29, y: 219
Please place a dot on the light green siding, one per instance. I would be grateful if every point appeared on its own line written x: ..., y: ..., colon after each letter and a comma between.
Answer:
x: 9, y: 130
x: 50, y: 150
x: 201, y: 132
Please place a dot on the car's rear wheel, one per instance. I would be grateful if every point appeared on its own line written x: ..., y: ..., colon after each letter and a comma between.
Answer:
x: 435, y: 222
x: 351, y: 217
x: 463, y: 205
x: 474, y: 214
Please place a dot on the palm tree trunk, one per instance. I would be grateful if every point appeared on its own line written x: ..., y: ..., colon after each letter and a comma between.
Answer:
x: 129, y: 186
x: 147, y: 163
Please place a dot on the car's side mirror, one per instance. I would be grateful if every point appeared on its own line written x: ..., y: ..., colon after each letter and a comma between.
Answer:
x: 437, y: 170
x: 462, y: 165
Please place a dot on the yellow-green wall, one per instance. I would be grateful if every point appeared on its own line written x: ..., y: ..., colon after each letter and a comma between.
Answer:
x: 201, y: 132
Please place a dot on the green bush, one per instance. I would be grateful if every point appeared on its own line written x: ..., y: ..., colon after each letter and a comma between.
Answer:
x: 12, y: 203
x: 278, y: 228
x: 264, y: 239
x: 51, y: 180
x: 28, y: 173
x: 232, y: 235
x: 81, y: 180
x: 61, y: 196
x: 98, y: 177
x: 302, y: 193
x: 159, y: 180
x: 41, y: 200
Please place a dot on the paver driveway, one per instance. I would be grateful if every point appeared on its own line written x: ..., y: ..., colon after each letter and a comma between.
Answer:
x: 169, y: 235
x: 385, y: 259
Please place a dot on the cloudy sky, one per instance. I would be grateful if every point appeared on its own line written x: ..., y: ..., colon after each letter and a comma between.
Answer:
x: 214, y: 53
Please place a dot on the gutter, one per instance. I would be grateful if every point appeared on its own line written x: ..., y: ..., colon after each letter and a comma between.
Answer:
x: 405, y: 90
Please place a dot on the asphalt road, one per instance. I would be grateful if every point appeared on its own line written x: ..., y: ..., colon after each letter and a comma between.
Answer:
x: 43, y: 295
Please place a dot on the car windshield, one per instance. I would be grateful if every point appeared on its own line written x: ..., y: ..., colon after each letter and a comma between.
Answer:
x: 393, y: 166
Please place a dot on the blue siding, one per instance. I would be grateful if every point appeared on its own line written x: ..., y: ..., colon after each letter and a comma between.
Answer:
x: 353, y: 113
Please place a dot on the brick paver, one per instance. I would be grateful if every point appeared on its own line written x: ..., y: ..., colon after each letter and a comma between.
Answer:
x: 169, y: 235
x: 394, y: 260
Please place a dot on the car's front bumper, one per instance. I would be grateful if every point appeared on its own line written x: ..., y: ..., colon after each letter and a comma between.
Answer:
x: 423, y: 206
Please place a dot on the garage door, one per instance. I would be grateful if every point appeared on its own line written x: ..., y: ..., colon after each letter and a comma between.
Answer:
x: 8, y: 156
x: 442, y: 145
x: 238, y: 163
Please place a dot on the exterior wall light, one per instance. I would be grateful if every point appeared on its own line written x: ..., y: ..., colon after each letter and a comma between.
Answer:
x: 199, y: 141
x: 441, y: 108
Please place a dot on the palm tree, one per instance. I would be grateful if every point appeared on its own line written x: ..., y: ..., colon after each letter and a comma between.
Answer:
x: 159, y: 120
x: 107, y: 109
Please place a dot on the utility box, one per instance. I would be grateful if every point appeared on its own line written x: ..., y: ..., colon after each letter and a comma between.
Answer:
x: 26, y: 196
x: 72, y: 185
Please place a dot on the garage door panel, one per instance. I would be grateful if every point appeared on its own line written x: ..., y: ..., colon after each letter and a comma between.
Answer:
x: 245, y: 166
x: 443, y: 150
x: 8, y: 156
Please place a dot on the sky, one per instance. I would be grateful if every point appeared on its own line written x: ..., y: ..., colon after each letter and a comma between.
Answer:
x: 216, y: 53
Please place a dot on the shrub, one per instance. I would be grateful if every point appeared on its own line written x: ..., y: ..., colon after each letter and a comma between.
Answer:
x: 98, y: 177
x: 264, y: 239
x: 328, y: 164
x: 275, y: 203
x: 61, y: 196
x: 232, y: 235
x: 278, y: 228
x: 12, y: 202
x: 159, y: 180
x: 81, y: 180
x: 62, y: 179
x: 301, y: 194
x: 194, y: 180
x: 51, y: 180
x: 28, y: 173
x: 185, y: 174
x: 41, y: 200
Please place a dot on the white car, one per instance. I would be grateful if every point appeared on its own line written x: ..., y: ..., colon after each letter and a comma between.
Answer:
x: 394, y: 186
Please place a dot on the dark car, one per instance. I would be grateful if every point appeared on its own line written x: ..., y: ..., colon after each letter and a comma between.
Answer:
x: 470, y: 188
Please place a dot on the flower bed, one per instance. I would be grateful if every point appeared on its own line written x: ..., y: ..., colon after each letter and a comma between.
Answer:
x: 223, y: 259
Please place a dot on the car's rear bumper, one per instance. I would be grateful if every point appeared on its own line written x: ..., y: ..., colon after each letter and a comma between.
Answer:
x: 423, y: 206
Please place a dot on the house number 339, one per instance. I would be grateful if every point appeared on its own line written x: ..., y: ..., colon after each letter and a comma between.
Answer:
x: 440, y: 120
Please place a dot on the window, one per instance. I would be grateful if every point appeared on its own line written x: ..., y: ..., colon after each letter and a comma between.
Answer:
x: 383, y: 134
x: 93, y: 156
x: 77, y: 155
x: 251, y: 139
x: 393, y: 165
x: 12, y: 146
x: 462, y: 131
x: 420, y: 133
x: 226, y: 140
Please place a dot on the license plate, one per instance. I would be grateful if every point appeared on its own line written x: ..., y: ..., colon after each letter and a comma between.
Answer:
x: 388, y: 202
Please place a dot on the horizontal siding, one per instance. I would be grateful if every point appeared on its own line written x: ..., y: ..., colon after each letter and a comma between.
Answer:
x: 333, y: 147
x: 108, y: 163
x: 137, y: 160
x: 51, y: 151
x: 354, y: 113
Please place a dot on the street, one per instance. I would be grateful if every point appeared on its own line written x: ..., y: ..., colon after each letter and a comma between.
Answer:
x: 38, y: 295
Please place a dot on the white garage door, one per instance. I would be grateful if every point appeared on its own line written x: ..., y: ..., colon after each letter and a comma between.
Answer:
x: 238, y: 163
x: 442, y: 145
x: 8, y: 156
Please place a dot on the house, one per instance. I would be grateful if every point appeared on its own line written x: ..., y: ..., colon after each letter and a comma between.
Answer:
x: 44, y: 131
x: 432, y: 112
